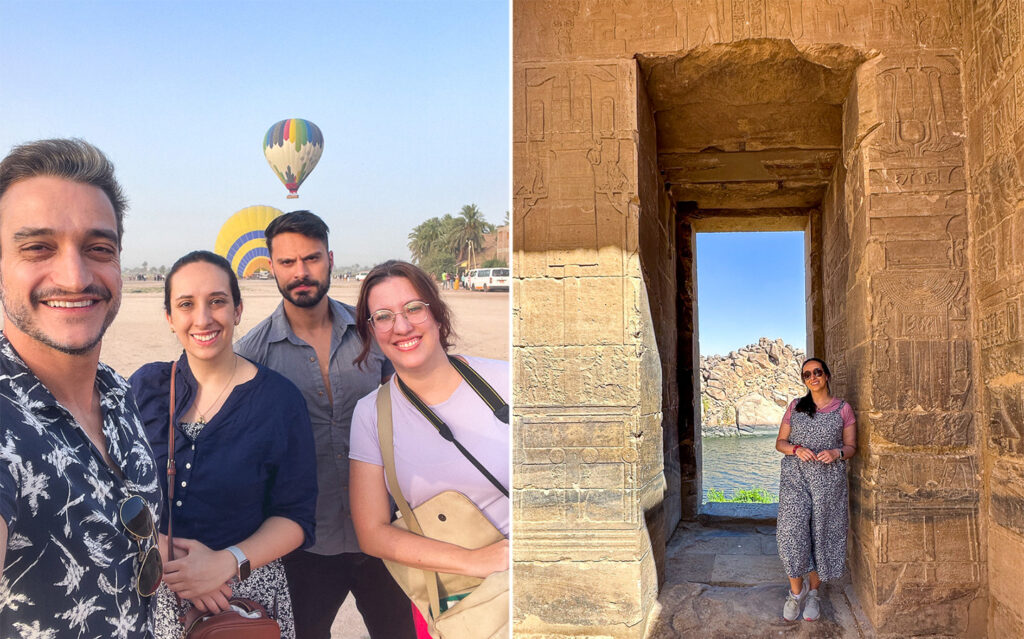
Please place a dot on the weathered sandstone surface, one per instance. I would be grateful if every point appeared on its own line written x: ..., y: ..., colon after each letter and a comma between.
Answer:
x: 748, y: 389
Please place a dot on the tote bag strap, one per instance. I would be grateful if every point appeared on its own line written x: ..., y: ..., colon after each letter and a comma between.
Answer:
x: 387, y: 452
x: 171, y: 472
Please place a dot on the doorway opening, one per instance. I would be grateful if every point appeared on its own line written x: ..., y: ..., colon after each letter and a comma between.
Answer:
x: 751, y: 310
x: 748, y: 139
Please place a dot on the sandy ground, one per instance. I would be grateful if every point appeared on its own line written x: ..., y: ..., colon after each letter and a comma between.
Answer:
x: 140, y: 334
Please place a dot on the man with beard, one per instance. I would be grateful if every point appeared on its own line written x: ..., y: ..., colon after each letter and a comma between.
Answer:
x: 78, y: 484
x: 311, y: 339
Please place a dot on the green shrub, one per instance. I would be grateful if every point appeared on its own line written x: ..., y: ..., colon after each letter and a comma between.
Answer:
x: 743, y: 496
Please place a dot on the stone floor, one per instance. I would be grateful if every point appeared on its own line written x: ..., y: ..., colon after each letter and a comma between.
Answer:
x: 725, y: 581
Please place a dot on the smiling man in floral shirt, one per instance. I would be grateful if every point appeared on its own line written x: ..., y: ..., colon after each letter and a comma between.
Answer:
x: 72, y: 448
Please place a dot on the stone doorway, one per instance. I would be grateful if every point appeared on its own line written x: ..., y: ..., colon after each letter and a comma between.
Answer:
x: 748, y: 138
x: 751, y: 321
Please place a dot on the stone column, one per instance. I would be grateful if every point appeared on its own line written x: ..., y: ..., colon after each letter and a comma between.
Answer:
x: 587, y: 422
x: 897, y: 332
x: 994, y: 79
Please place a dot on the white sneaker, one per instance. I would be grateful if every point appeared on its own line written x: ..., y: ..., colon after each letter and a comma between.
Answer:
x: 811, y: 609
x: 791, y: 610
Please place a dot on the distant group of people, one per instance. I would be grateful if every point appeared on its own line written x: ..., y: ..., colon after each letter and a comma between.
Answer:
x: 277, y: 489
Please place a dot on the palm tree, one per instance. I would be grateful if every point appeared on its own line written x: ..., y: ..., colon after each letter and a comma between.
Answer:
x: 424, y: 238
x: 470, y: 230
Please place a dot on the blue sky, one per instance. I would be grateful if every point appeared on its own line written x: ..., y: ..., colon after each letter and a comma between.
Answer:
x: 412, y: 98
x: 750, y: 285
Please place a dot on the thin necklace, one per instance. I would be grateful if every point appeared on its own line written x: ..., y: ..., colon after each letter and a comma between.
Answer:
x: 202, y: 413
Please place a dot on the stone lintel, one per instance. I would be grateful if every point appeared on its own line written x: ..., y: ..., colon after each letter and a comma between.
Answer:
x: 740, y: 220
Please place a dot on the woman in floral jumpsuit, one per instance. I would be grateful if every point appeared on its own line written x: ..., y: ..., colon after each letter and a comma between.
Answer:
x: 818, y: 434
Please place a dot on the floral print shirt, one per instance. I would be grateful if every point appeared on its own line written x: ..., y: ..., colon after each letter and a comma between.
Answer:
x: 70, y: 568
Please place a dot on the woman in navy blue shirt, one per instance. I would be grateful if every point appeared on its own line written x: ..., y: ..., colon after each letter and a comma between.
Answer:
x: 245, y: 488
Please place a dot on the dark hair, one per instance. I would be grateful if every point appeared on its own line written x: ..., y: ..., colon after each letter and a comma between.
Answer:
x: 209, y: 258
x: 301, y: 222
x: 425, y: 288
x: 806, y: 403
x: 71, y: 159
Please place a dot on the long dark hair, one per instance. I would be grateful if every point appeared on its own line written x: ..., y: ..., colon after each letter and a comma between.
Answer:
x: 806, y: 403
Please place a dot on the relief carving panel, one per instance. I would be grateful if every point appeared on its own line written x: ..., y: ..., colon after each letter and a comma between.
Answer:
x: 927, y: 480
x: 925, y: 429
x: 1007, y: 502
x: 575, y: 472
x: 1004, y: 406
x: 574, y: 171
x: 577, y: 375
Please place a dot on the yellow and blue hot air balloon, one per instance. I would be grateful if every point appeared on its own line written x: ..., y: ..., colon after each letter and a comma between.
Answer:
x: 242, y: 242
x: 293, y: 148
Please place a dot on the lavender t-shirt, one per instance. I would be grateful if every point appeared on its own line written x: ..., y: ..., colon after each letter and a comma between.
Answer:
x: 425, y: 463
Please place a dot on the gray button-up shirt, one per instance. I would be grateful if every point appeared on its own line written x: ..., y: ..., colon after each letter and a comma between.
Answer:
x: 273, y: 343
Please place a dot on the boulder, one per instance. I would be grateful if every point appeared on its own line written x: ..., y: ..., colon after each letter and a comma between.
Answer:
x: 756, y: 410
x: 716, y: 393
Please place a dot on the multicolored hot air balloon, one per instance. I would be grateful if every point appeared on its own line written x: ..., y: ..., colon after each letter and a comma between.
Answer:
x: 293, y: 148
x: 241, y: 240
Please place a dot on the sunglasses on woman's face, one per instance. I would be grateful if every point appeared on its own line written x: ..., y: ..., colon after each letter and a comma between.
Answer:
x: 817, y: 372
x: 138, y: 521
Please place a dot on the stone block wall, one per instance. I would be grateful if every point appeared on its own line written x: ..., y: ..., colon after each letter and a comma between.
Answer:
x: 994, y: 86
x: 589, y: 470
x: 898, y: 339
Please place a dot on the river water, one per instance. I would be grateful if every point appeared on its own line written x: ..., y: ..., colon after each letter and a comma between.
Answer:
x: 733, y: 463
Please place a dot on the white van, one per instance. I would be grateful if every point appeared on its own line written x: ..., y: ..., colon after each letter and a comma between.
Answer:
x: 489, y: 279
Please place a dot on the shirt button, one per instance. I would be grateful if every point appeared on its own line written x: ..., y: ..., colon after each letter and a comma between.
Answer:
x: 188, y: 465
x: 312, y: 359
x: 184, y: 483
x: 178, y: 503
x: 321, y: 393
x: 193, y: 446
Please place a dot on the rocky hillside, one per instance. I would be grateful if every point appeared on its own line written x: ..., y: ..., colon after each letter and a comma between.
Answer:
x: 748, y: 389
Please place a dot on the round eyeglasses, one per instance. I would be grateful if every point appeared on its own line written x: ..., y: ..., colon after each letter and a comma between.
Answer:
x: 817, y: 372
x: 415, y: 312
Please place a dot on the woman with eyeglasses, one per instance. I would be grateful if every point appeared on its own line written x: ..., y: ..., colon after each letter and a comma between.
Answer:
x: 399, y: 307
x: 245, y: 483
x: 818, y: 434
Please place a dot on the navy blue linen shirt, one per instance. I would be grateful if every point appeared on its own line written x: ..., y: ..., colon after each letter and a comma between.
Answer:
x: 252, y: 461
x: 70, y: 566
x: 273, y: 342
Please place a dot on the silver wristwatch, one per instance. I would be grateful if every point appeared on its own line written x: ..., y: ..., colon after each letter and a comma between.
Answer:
x: 243, y: 562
